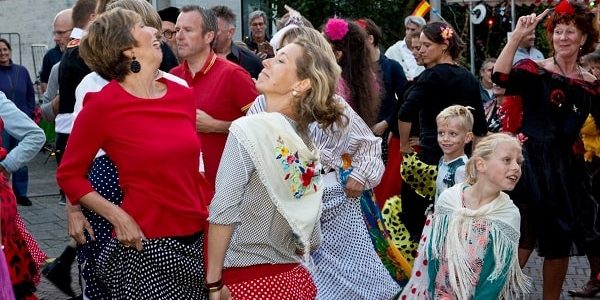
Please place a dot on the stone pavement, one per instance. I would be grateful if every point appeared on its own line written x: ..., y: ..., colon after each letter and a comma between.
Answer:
x: 46, y: 221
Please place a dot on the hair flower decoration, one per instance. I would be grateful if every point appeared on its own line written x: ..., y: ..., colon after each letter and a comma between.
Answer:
x: 362, y: 23
x: 564, y: 7
x: 336, y: 29
x: 447, y: 33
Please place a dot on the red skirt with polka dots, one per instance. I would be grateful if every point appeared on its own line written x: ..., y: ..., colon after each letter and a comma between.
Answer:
x: 265, y: 282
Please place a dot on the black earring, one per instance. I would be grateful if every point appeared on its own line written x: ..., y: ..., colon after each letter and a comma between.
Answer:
x: 134, y: 65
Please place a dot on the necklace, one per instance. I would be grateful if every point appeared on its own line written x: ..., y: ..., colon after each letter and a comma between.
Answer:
x: 563, y: 71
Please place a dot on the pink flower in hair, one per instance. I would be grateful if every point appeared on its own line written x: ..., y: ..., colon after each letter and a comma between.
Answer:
x: 447, y: 33
x: 336, y: 29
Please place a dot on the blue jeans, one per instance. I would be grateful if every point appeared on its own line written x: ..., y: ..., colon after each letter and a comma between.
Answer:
x: 20, y: 178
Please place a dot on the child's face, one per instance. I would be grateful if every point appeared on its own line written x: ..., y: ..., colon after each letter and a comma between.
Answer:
x: 503, y: 167
x: 452, y: 137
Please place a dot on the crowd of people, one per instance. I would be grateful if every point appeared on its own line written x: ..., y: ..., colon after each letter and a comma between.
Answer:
x: 304, y: 165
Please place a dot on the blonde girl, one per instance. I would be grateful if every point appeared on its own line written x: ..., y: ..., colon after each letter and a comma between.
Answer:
x: 472, y: 252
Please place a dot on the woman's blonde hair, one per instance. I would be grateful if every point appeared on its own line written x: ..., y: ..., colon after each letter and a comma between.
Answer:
x: 318, y: 65
x: 484, y: 149
x: 108, y: 36
x: 462, y: 113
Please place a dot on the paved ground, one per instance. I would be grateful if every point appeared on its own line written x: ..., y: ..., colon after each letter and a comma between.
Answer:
x: 46, y: 220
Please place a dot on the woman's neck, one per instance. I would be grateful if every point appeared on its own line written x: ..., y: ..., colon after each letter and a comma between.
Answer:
x: 567, y: 66
x: 143, y: 85
x: 281, y: 104
x: 479, y: 194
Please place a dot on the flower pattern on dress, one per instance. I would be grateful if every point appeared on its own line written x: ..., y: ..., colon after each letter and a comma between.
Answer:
x: 476, y: 239
x: 300, y: 174
x: 557, y: 97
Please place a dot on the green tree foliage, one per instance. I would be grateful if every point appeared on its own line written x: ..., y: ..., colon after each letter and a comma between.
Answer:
x: 390, y: 14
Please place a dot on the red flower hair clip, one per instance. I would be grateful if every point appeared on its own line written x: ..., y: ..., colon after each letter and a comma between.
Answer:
x: 564, y: 7
x: 335, y: 29
x: 362, y: 23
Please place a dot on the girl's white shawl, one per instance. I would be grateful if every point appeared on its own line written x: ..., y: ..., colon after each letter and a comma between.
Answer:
x: 451, y: 219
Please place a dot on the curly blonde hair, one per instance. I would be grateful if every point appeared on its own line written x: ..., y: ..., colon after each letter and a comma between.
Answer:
x: 318, y: 65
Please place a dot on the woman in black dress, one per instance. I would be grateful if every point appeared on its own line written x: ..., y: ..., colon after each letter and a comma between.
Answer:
x: 554, y: 195
x: 442, y: 84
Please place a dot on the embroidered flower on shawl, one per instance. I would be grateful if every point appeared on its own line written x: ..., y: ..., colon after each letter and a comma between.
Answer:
x: 557, y: 97
x: 301, y: 175
x: 447, y: 33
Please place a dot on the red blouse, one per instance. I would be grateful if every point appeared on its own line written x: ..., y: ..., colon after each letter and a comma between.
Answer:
x: 154, y: 145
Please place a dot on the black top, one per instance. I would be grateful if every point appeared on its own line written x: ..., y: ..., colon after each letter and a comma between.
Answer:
x: 169, y: 60
x: 438, y: 87
x: 246, y: 59
x: 414, y: 128
x: 50, y: 59
x: 394, y: 83
x: 554, y: 106
x: 253, y: 46
x: 71, y: 71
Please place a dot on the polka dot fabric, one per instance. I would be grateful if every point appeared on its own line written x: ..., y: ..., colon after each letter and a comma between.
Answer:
x: 417, y: 287
x: 391, y: 213
x: 104, y: 178
x: 38, y: 255
x: 293, y: 285
x: 346, y: 264
x: 419, y: 175
x: 166, y: 268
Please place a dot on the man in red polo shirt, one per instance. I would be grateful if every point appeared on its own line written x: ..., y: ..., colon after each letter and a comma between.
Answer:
x: 224, y: 91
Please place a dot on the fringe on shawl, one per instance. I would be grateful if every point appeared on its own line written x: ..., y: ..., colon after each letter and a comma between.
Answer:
x: 446, y: 234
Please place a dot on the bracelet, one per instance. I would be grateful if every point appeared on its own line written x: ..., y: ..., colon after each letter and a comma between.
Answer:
x: 214, y: 286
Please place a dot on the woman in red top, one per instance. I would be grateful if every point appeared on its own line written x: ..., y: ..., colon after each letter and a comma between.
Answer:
x: 147, y: 127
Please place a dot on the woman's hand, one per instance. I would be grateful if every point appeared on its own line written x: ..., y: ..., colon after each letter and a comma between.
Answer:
x: 380, y: 128
x: 526, y: 24
x: 127, y: 230
x: 223, y: 294
x: 406, y: 149
x: 354, y: 188
x: 77, y: 224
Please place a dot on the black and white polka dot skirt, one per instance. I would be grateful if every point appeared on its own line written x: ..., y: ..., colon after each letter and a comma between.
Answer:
x: 166, y: 268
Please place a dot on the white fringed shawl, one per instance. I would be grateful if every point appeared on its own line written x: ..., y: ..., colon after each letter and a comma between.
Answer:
x: 451, y: 219
x: 289, y: 170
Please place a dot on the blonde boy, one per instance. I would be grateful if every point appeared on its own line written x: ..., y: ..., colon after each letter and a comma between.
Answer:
x: 454, y: 131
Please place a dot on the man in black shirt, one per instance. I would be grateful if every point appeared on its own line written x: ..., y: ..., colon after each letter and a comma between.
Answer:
x: 61, y: 31
x: 224, y: 46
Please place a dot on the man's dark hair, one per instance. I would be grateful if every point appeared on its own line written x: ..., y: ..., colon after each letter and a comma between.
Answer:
x: 225, y: 13
x: 82, y: 10
x: 208, y: 17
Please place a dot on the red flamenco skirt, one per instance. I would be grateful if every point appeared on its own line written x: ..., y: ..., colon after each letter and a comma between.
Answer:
x: 270, y: 282
x: 391, y: 181
x: 21, y: 266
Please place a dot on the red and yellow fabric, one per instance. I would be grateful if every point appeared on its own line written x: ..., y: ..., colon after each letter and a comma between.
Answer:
x: 422, y: 9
